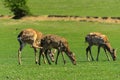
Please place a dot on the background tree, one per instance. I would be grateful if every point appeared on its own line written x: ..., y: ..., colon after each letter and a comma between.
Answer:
x: 18, y: 7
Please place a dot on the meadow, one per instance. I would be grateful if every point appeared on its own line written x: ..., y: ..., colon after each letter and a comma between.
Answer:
x: 71, y: 7
x: 73, y: 31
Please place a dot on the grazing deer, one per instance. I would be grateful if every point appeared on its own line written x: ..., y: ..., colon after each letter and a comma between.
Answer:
x: 99, y: 40
x: 60, y: 44
x: 32, y: 37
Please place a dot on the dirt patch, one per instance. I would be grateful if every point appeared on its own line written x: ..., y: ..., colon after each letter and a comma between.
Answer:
x: 69, y: 18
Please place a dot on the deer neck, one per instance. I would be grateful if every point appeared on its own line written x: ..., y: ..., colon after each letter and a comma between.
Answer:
x: 108, y: 47
x: 71, y: 56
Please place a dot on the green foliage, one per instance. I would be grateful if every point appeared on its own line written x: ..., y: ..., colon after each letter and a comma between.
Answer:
x: 18, y: 7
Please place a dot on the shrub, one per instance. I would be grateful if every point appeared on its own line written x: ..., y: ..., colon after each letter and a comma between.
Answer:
x: 18, y: 7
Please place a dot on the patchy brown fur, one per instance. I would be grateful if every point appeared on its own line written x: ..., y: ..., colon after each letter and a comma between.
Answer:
x: 53, y: 41
x: 32, y: 37
x: 99, y: 40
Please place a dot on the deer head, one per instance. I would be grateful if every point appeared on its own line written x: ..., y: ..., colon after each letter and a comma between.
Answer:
x: 72, y: 57
x: 113, y: 54
x: 111, y: 50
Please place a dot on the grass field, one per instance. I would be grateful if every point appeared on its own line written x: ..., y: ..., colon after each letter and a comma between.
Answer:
x: 73, y: 31
x: 71, y: 7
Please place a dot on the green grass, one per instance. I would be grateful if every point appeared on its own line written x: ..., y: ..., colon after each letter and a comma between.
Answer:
x: 74, y: 32
x: 71, y: 7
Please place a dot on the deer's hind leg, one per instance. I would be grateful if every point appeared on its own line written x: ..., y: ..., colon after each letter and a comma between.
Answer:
x: 20, y: 51
x: 36, y: 59
x: 88, y: 49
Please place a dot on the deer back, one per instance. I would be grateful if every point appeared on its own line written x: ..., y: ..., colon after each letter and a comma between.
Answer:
x: 54, y: 41
x: 96, y: 38
x: 30, y: 35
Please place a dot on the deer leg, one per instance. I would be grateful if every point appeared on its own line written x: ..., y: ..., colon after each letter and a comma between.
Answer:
x: 98, y: 53
x: 51, y: 54
x: 36, y: 60
x: 43, y: 55
x: 40, y: 53
x: 91, y: 53
x: 19, y: 56
x: 46, y: 55
x: 57, y: 57
x: 19, y: 52
x: 87, y: 49
x: 106, y: 54
x: 63, y: 58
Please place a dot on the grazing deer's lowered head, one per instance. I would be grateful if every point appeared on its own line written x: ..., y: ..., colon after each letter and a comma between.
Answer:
x: 111, y: 50
x: 99, y: 40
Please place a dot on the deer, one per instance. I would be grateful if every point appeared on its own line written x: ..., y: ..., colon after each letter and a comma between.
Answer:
x: 33, y: 38
x: 51, y: 41
x: 100, y: 40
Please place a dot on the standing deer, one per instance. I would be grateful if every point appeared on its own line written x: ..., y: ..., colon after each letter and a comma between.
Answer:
x: 32, y: 37
x: 59, y: 43
x: 99, y: 40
